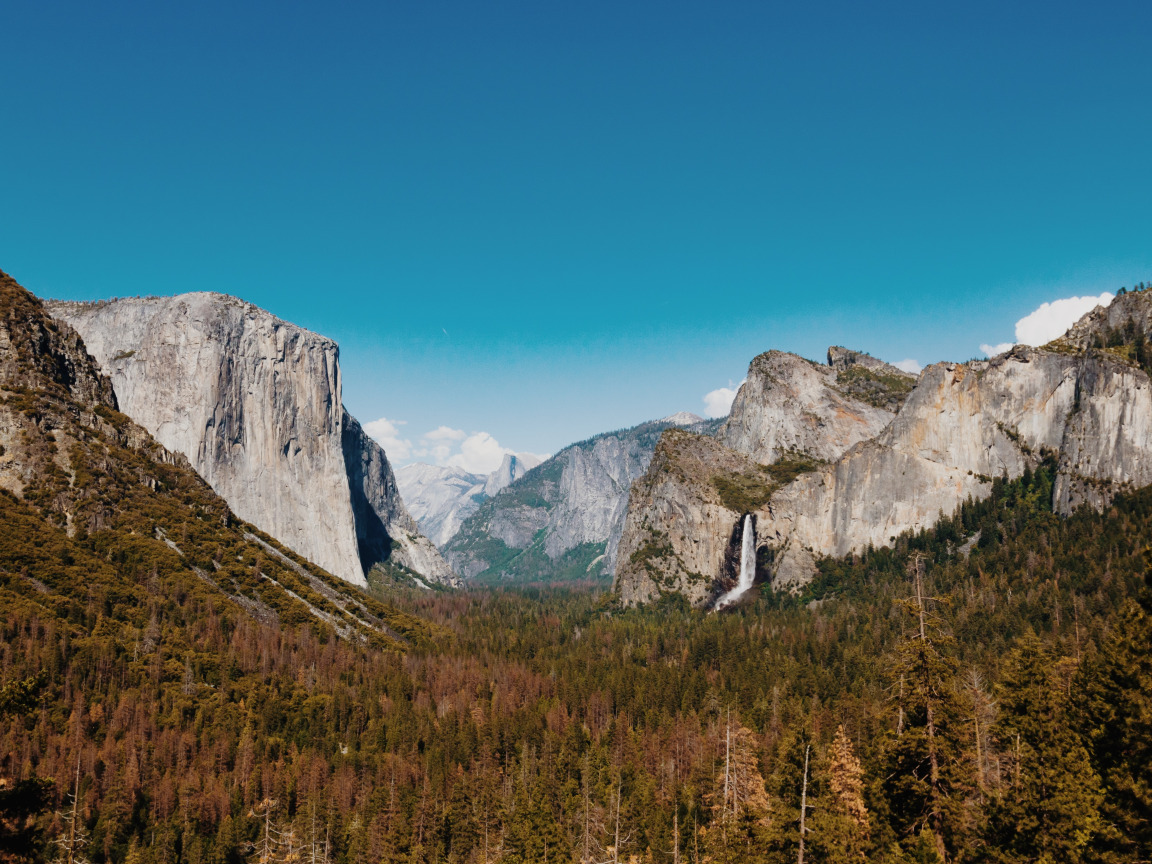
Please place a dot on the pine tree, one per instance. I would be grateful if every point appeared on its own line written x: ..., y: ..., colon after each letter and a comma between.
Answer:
x: 926, y: 776
x: 73, y: 839
x: 840, y: 827
x: 1048, y: 808
x: 1114, y: 713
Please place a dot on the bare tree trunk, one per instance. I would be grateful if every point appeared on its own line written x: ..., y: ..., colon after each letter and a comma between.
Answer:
x: 803, y: 806
x: 936, y: 814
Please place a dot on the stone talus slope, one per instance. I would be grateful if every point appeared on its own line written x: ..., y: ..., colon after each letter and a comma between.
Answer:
x: 253, y: 402
x: 790, y: 415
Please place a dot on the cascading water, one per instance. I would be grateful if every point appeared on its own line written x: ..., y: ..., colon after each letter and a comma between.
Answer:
x: 747, y: 564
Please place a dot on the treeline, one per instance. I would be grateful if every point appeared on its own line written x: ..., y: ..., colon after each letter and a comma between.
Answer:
x: 981, y: 692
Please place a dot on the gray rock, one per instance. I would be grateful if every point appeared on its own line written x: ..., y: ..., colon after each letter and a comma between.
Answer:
x: 254, y: 403
x: 440, y: 498
x: 961, y: 426
x: 792, y: 405
x: 577, y: 497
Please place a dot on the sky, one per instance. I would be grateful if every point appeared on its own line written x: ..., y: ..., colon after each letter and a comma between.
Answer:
x: 529, y: 222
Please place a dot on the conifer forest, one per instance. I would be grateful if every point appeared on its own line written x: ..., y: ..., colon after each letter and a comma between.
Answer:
x: 980, y: 692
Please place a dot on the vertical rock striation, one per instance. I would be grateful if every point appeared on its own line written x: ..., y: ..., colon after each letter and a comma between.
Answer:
x: 790, y: 416
x: 564, y: 518
x: 1083, y: 404
x: 254, y: 403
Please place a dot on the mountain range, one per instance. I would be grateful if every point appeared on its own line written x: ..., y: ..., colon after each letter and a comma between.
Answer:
x: 830, y: 460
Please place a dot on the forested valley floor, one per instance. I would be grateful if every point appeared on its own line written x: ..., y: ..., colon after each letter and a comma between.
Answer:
x: 982, y: 692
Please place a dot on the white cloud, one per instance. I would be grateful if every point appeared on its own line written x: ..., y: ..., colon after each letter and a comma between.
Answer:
x: 445, y: 433
x: 718, y: 402
x: 1052, y: 320
x: 993, y: 350
x: 480, y: 453
x: 1049, y: 321
x: 387, y: 435
x: 909, y: 365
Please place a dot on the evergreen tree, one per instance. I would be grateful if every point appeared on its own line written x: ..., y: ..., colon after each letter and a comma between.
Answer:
x: 1115, y: 716
x: 1048, y: 808
x: 22, y: 801
x: 926, y: 774
x: 840, y: 824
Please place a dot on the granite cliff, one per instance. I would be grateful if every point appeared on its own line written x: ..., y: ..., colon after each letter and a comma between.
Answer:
x: 790, y: 417
x: 1082, y: 403
x: 440, y: 498
x: 97, y: 512
x: 254, y: 404
x: 563, y: 519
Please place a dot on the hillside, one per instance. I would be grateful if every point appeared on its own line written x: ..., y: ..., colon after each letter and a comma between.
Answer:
x: 562, y: 520
x: 1084, y: 401
x: 255, y: 405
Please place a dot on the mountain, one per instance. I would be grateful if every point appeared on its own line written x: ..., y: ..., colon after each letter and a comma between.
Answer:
x: 823, y: 478
x: 683, y: 530
x: 440, y: 498
x: 104, y: 528
x: 562, y: 520
x: 254, y: 403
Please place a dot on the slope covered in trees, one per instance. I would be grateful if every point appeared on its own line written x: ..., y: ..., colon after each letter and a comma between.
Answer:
x: 552, y: 726
x: 179, y: 689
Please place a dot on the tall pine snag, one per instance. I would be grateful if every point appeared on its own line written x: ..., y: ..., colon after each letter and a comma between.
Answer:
x: 926, y: 773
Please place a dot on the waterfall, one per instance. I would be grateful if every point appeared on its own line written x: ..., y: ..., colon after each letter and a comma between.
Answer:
x: 747, y: 564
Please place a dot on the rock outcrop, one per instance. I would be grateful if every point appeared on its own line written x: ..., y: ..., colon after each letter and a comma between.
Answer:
x: 254, y: 403
x: 792, y: 405
x: 790, y: 416
x: 440, y: 498
x: 676, y: 538
x: 563, y: 519
x: 1084, y: 404
x: 99, y: 509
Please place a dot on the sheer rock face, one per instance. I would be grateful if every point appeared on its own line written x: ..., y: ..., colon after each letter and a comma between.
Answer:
x: 792, y: 405
x: 440, y: 498
x: 579, y: 496
x: 787, y: 407
x: 961, y: 426
x: 254, y: 403
x: 384, y: 529
x: 677, y: 529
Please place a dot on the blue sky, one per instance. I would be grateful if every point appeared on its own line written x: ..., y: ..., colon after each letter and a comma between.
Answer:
x: 543, y: 220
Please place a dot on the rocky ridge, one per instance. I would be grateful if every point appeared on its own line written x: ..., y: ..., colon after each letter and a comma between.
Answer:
x: 789, y: 417
x: 254, y: 404
x: 440, y: 498
x: 102, y: 513
x: 1083, y: 403
x: 563, y: 519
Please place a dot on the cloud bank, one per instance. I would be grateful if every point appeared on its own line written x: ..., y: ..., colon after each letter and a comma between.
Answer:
x: 718, y: 402
x: 478, y: 453
x: 909, y: 365
x: 1049, y: 321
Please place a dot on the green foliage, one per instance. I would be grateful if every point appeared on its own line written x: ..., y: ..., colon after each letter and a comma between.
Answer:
x: 750, y: 490
x: 881, y: 389
x: 1049, y: 808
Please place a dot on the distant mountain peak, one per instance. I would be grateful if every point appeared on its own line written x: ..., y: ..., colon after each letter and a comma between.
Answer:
x: 682, y: 418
